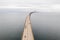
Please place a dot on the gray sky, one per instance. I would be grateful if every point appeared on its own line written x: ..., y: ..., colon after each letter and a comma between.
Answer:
x: 42, y: 5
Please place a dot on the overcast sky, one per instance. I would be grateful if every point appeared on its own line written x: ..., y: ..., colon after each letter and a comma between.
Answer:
x: 42, y: 5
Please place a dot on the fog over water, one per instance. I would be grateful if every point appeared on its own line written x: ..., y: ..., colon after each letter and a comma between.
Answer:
x: 45, y: 25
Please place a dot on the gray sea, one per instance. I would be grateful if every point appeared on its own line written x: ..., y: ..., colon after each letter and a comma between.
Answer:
x: 45, y: 25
